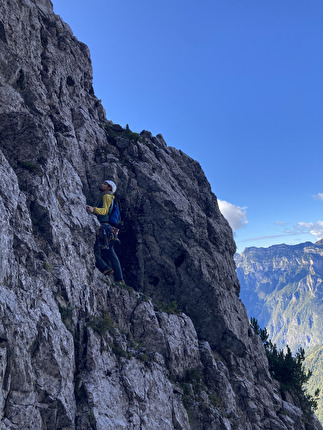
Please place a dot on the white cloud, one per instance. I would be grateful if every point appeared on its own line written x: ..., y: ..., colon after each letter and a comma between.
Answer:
x: 316, y: 229
x: 318, y: 196
x: 300, y: 229
x: 235, y: 215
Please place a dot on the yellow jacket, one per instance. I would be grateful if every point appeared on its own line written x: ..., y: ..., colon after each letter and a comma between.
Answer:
x: 102, y: 210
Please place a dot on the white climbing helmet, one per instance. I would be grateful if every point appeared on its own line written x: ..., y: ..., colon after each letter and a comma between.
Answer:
x: 112, y: 185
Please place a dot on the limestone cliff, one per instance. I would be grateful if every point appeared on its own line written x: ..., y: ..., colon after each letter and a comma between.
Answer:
x: 76, y: 351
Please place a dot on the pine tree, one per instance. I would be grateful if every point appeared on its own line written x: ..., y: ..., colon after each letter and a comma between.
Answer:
x: 288, y: 370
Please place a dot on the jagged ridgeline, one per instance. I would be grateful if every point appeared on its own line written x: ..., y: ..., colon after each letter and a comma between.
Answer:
x: 174, y: 349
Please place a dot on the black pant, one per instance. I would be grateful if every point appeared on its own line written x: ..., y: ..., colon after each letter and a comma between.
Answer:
x: 104, y: 257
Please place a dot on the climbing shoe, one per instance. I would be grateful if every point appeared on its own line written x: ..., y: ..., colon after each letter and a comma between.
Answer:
x: 108, y: 272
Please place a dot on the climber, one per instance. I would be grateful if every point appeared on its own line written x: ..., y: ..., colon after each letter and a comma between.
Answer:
x: 107, y: 235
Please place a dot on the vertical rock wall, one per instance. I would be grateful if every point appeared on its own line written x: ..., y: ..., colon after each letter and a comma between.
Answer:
x: 77, y: 352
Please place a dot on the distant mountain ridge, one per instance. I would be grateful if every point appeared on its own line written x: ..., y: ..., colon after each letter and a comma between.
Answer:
x: 281, y: 286
x: 314, y: 362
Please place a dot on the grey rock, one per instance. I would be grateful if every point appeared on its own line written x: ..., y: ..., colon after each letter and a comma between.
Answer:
x: 174, y: 350
x: 122, y: 143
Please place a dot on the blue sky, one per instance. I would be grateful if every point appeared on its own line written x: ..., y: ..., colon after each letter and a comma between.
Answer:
x: 237, y: 85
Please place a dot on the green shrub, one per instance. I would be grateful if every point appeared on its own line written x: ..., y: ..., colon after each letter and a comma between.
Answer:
x: 215, y: 400
x: 47, y: 266
x: 143, y: 357
x: 193, y: 375
x: 102, y: 324
x: 169, y: 308
x: 288, y: 370
x: 120, y: 352
x: 31, y: 167
x: 67, y: 316
x: 115, y: 130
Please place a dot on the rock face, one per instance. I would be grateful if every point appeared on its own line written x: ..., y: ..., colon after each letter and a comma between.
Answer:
x: 76, y: 351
